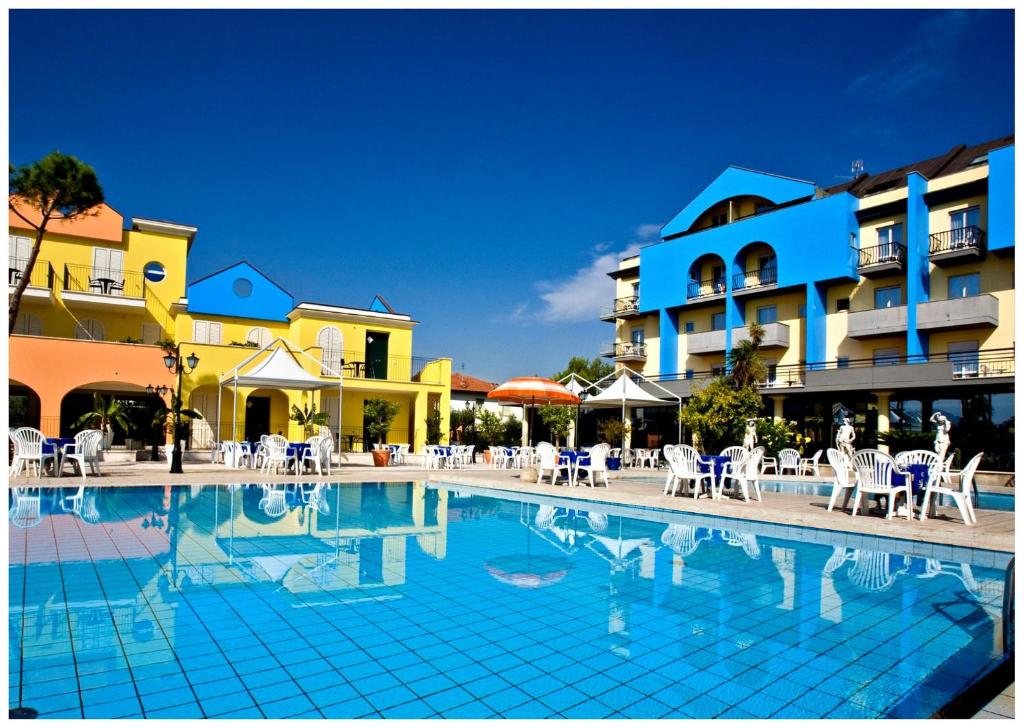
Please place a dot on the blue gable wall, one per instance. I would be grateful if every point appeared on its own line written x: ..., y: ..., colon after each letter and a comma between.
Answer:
x: 735, y: 181
x: 1000, y: 199
x: 216, y: 295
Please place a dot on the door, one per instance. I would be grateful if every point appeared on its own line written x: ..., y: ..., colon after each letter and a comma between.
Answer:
x: 107, y: 265
x: 376, y: 355
x: 257, y: 418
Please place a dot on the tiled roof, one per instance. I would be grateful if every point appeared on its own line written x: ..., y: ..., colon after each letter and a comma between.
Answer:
x: 956, y: 159
x: 466, y: 383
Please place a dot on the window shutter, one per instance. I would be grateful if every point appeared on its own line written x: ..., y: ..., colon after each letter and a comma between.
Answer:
x: 150, y: 333
x: 214, y: 333
x: 199, y: 331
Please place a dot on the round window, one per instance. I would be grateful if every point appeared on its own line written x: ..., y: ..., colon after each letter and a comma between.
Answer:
x: 242, y: 287
x: 154, y: 272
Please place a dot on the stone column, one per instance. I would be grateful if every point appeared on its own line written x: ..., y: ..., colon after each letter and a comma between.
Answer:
x: 883, y: 416
x: 777, y: 400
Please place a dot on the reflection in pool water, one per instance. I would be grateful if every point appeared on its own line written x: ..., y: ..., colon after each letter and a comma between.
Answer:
x: 411, y: 601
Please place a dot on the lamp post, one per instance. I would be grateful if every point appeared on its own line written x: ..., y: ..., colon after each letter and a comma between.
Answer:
x: 175, y: 365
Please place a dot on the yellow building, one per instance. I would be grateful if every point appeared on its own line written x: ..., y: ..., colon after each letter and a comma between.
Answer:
x: 889, y: 297
x: 102, y: 296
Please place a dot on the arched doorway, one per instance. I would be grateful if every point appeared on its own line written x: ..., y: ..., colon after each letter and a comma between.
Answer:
x: 706, y: 277
x: 23, y: 406
x: 266, y: 413
x: 755, y: 266
x: 133, y: 428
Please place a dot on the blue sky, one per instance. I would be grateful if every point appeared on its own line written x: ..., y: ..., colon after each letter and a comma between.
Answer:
x: 483, y: 170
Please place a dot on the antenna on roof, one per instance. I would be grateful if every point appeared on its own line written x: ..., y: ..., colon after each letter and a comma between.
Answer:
x: 856, y: 167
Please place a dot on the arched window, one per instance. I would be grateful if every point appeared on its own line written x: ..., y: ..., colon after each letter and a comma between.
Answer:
x: 28, y: 324
x: 329, y: 341
x: 259, y: 335
x: 90, y: 329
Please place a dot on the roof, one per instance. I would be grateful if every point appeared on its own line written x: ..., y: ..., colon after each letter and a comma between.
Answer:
x: 955, y: 160
x: 466, y: 383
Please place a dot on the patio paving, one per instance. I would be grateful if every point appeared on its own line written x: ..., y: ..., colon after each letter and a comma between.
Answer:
x: 994, y: 530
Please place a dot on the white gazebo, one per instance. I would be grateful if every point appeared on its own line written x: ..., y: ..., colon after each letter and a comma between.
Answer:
x: 624, y: 392
x: 279, y: 370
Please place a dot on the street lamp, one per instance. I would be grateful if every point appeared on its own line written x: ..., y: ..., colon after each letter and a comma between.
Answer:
x: 175, y: 365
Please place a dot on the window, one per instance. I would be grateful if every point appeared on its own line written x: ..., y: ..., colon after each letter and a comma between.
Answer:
x: 843, y: 304
x: 329, y: 341
x: 242, y: 287
x: 842, y: 362
x: 20, y: 248
x: 720, y: 219
x: 772, y: 366
x: 718, y: 278
x: 90, y: 329
x: 888, y: 296
x: 767, y: 314
x: 688, y: 374
x: 760, y: 207
x: 886, y: 357
x: 970, y: 217
x: 718, y: 321
x: 259, y: 335
x: 801, y: 310
x: 636, y: 289
x: 888, y: 239
x: 962, y: 286
x: 151, y: 333
x: 964, y: 355
x: 718, y: 370
x: 28, y: 324
x: 636, y: 335
x: 206, y: 332
x: 107, y: 263
x: 766, y: 267
x: 689, y: 327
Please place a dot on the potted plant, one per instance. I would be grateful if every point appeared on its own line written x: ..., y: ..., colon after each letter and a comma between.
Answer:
x: 309, y: 419
x: 104, y: 413
x: 490, y: 431
x: 378, y: 414
x: 163, y: 423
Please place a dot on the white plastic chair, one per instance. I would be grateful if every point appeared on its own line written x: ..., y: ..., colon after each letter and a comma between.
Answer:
x: 735, y: 452
x: 789, y: 459
x: 874, y: 470
x: 551, y: 461
x: 686, y: 465
x: 681, y: 539
x: 28, y: 450
x: 747, y: 474
x: 314, y: 455
x: 275, y: 455
x: 26, y: 511
x: 871, y: 570
x: 841, y: 481
x: 947, y: 470
x: 810, y: 465
x: 960, y: 495
x: 273, y: 501
x: 598, y: 466
x: 86, y: 450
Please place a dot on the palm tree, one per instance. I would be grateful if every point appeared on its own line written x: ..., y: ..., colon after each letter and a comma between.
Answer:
x: 308, y: 418
x: 747, y: 367
x: 164, y: 417
x: 104, y: 413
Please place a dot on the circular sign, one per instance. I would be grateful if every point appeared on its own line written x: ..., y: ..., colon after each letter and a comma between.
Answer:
x: 242, y: 287
x: 154, y: 272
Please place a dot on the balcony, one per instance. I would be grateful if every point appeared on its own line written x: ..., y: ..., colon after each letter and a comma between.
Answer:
x: 959, y: 313
x: 881, y: 260
x: 40, y: 284
x: 712, y: 289
x: 776, y: 335
x: 88, y: 287
x: 752, y: 280
x: 959, y: 245
x: 706, y: 342
x: 876, y: 322
x: 625, y: 307
x: 625, y: 351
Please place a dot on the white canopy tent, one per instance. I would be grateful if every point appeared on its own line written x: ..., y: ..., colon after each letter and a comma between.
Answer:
x: 580, y: 386
x: 279, y: 370
x: 624, y: 392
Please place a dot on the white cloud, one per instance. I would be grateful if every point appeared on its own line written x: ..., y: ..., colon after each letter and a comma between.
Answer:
x: 928, y: 57
x: 581, y: 297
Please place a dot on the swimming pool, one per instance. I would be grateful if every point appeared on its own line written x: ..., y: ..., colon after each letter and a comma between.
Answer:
x: 402, y: 600
x: 987, y: 500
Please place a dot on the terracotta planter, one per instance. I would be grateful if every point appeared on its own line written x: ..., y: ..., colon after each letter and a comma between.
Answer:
x: 381, y: 458
x: 487, y: 456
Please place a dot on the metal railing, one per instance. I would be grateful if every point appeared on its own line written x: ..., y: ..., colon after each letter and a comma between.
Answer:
x: 1009, y: 608
x: 42, y: 273
x: 767, y: 276
x: 957, y: 239
x: 882, y: 253
x: 624, y: 348
x: 104, y: 282
x: 626, y: 304
x: 701, y: 289
x: 391, y: 368
x: 981, y: 364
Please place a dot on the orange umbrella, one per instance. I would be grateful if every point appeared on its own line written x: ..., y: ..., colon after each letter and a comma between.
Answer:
x: 532, y: 391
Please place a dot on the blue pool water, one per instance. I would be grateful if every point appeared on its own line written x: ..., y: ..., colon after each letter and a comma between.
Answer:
x: 400, y: 600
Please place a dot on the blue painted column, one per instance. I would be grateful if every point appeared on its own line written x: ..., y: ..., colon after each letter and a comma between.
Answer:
x: 917, y: 264
x: 733, y: 318
x: 668, y: 338
x: 1000, y: 199
x: 815, y: 334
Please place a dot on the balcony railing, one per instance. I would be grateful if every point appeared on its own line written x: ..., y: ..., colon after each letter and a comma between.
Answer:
x: 624, y: 350
x: 104, y: 282
x: 42, y: 273
x: 767, y: 276
x: 970, y: 239
x: 702, y: 289
x: 883, y: 254
x: 625, y: 306
x: 391, y: 368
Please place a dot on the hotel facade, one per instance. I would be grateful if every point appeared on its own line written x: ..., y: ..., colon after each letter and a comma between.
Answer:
x: 889, y: 296
x: 103, y: 293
